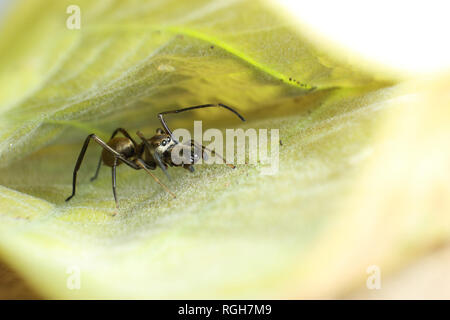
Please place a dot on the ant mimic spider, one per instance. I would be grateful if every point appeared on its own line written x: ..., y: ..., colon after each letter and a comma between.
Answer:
x: 159, y: 151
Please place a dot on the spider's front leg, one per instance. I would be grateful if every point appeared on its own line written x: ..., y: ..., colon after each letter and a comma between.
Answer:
x: 212, y: 152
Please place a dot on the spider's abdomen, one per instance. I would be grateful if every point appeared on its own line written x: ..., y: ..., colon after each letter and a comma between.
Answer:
x: 122, y: 145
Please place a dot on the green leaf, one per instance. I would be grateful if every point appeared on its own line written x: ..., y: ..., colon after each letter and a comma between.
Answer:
x: 135, y: 59
x: 229, y: 233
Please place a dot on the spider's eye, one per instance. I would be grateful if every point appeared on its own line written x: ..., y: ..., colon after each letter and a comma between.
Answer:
x: 163, y: 143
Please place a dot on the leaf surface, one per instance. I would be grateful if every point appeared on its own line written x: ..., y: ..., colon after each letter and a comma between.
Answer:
x: 229, y: 233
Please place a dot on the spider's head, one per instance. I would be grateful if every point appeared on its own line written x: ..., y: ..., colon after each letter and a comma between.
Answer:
x: 162, y: 142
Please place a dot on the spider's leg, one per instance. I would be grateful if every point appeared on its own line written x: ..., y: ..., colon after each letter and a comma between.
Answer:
x: 166, y: 127
x: 142, y: 165
x: 98, y: 168
x: 193, y: 142
x: 161, y: 164
x: 114, y: 181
